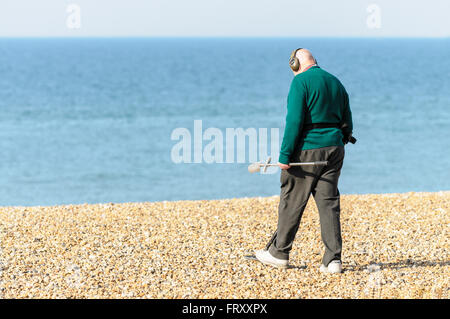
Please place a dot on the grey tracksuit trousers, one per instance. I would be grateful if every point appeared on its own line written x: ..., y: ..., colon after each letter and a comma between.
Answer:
x: 297, y: 183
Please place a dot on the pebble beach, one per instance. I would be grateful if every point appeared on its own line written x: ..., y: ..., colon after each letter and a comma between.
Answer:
x: 394, y: 246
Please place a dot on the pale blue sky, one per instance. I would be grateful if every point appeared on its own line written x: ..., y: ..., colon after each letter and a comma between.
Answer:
x: 410, y: 18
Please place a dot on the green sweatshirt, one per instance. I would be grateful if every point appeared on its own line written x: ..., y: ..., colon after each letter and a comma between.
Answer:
x: 315, y: 96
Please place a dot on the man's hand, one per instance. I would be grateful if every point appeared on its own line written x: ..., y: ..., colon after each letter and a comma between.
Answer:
x: 284, y: 166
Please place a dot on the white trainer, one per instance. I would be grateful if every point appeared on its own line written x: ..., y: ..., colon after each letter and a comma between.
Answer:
x: 334, y: 267
x: 266, y: 258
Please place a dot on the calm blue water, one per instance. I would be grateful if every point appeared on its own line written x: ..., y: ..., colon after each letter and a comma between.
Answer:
x: 90, y: 120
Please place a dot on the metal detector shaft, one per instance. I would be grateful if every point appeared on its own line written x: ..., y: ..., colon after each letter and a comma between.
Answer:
x: 301, y: 164
x: 256, y: 167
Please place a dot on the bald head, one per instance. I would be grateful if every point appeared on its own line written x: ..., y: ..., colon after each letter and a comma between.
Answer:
x: 305, y: 58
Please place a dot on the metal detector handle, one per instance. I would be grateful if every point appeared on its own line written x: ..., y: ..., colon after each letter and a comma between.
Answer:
x: 309, y: 163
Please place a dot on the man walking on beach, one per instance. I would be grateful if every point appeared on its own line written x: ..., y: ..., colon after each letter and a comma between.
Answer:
x: 318, y: 106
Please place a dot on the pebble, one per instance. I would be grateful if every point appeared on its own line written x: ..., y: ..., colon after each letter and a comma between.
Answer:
x: 394, y: 246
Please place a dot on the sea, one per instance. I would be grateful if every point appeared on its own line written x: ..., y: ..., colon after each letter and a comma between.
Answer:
x: 101, y: 120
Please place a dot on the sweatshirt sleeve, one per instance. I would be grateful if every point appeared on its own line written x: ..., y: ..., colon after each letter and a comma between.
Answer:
x: 296, y: 106
x: 347, y: 114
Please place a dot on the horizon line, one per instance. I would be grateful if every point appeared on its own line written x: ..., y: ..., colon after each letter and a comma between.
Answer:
x: 217, y: 37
